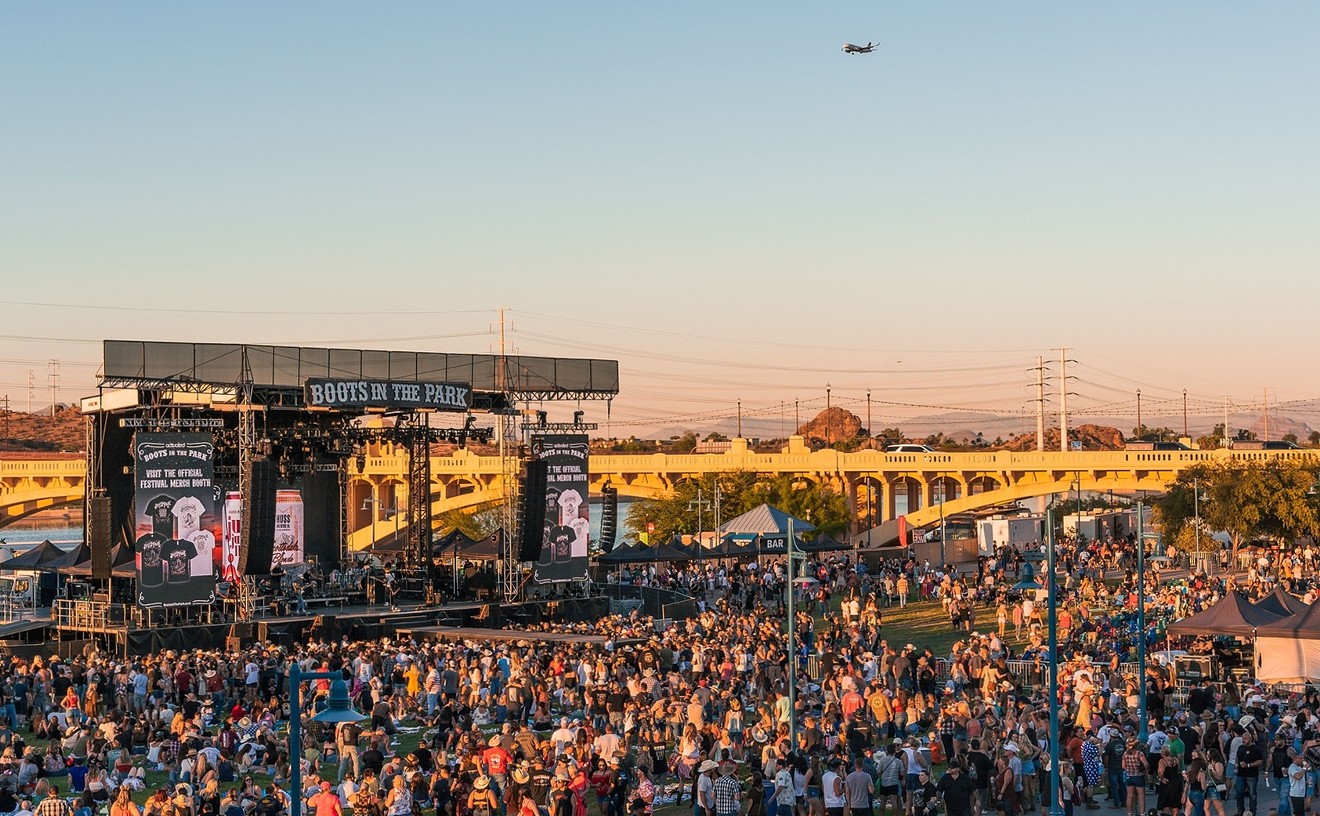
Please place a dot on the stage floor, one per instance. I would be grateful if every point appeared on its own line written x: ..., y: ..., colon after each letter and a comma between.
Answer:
x: 499, y: 635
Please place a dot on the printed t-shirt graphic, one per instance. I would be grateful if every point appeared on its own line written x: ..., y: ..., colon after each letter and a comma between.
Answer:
x: 160, y: 510
x: 203, y: 562
x: 188, y: 513
x: 178, y: 555
x: 149, y: 549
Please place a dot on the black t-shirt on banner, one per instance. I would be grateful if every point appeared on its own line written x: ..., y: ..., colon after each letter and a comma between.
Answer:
x: 149, y: 548
x: 161, y: 512
x: 178, y: 555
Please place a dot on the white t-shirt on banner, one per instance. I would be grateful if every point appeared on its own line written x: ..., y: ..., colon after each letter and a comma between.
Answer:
x: 187, y: 516
x: 203, y: 563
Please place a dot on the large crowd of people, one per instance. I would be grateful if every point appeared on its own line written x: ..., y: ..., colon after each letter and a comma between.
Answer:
x: 698, y: 714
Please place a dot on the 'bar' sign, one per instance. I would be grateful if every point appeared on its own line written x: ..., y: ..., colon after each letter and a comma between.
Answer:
x: 322, y: 392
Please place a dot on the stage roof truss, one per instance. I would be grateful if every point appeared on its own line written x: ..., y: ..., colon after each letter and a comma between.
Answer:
x: 274, y: 375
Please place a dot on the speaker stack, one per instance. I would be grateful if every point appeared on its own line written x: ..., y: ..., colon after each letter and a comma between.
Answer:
x: 98, y: 535
x: 258, y: 513
x: 609, y: 516
x: 531, y: 516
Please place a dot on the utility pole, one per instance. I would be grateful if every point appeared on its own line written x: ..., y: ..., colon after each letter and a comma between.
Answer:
x: 1224, y: 443
x: 1063, y: 399
x: 1267, y: 414
x: 1185, y: 412
x: 740, y: 418
x: 1040, y: 403
x: 797, y: 417
x: 5, y: 404
x: 54, y: 385
x: 1138, y: 408
x: 827, y: 396
x: 32, y: 388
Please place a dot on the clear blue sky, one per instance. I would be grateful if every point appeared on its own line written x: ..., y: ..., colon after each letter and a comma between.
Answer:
x: 709, y: 182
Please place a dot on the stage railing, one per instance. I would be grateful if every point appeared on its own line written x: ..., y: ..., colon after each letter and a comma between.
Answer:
x: 656, y: 601
x: 92, y: 616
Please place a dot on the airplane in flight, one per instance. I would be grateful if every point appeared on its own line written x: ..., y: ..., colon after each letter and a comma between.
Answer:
x: 849, y: 48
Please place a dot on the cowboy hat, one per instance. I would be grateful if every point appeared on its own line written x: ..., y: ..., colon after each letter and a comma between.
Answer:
x: 481, y: 783
x: 493, y: 741
x: 708, y: 765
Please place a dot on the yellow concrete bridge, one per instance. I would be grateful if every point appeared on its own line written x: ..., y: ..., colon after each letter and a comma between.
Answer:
x: 876, y: 484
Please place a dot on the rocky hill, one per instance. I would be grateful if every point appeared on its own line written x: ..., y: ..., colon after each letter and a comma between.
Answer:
x: 1092, y: 437
x: 41, y: 432
x: 831, y: 426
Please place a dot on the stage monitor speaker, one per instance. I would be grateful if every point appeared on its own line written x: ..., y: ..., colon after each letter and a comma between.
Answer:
x: 98, y: 535
x: 609, y: 517
x: 531, y: 518
x: 258, y: 518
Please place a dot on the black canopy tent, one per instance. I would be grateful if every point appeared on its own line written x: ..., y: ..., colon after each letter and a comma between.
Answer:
x: 81, y: 553
x: 626, y: 553
x: 1283, y: 604
x: 123, y: 564
x: 1232, y: 615
x: 37, y: 558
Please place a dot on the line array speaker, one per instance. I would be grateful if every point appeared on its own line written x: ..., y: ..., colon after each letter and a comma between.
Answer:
x: 531, y: 516
x: 258, y: 518
x: 609, y: 516
x: 98, y: 535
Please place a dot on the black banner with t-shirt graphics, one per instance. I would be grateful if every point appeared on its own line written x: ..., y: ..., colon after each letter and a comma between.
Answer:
x: 177, y: 526
x: 567, y: 524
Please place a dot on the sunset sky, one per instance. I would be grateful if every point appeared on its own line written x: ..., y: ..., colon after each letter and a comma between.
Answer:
x: 713, y: 194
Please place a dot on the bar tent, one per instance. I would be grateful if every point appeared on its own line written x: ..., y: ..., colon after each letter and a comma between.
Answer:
x: 78, y: 555
x: 629, y: 552
x: 1232, y: 615
x: 766, y: 521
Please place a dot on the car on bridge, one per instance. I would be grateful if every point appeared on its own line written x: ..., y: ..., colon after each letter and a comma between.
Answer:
x: 908, y: 448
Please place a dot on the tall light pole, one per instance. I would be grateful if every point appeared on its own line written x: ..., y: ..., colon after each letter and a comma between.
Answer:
x: 338, y: 709
x: 1027, y: 582
x: 1141, y: 621
x: 792, y: 643
x: 943, y: 529
x: 1056, y: 809
x: 870, y: 432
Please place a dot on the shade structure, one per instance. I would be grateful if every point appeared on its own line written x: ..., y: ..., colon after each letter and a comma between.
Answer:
x: 765, y: 520
x: 1287, y: 660
x: 37, y: 558
x: 738, y: 545
x: 123, y: 564
x: 1283, y: 604
x: 455, y: 539
x: 823, y: 543
x: 487, y: 549
x: 629, y: 552
x: 1302, y: 625
x: 1232, y: 615
x: 72, y: 558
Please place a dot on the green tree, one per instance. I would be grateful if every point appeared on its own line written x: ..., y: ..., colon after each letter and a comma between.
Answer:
x: 683, y: 444
x: 1287, y: 493
x: 1289, y: 437
x: 1212, y: 440
x: 476, y: 525
x: 890, y: 436
x: 824, y: 507
x: 1314, y: 438
x: 1148, y: 434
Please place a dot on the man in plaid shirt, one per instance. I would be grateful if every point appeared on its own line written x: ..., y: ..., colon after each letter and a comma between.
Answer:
x: 728, y: 791
x: 53, y: 805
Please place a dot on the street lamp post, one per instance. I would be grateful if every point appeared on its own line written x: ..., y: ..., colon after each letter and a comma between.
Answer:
x: 792, y: 644
x: 1052, y: 582
x: 1028, y: 582
x: 943, y: 528
x: 338, y: 709
x: 1141, y: 621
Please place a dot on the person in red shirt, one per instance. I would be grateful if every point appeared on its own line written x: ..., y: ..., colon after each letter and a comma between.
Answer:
x: 326, y: 803
x: 497, y: 761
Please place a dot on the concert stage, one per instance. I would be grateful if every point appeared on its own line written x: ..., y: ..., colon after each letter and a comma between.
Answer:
x: 124, y: 635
